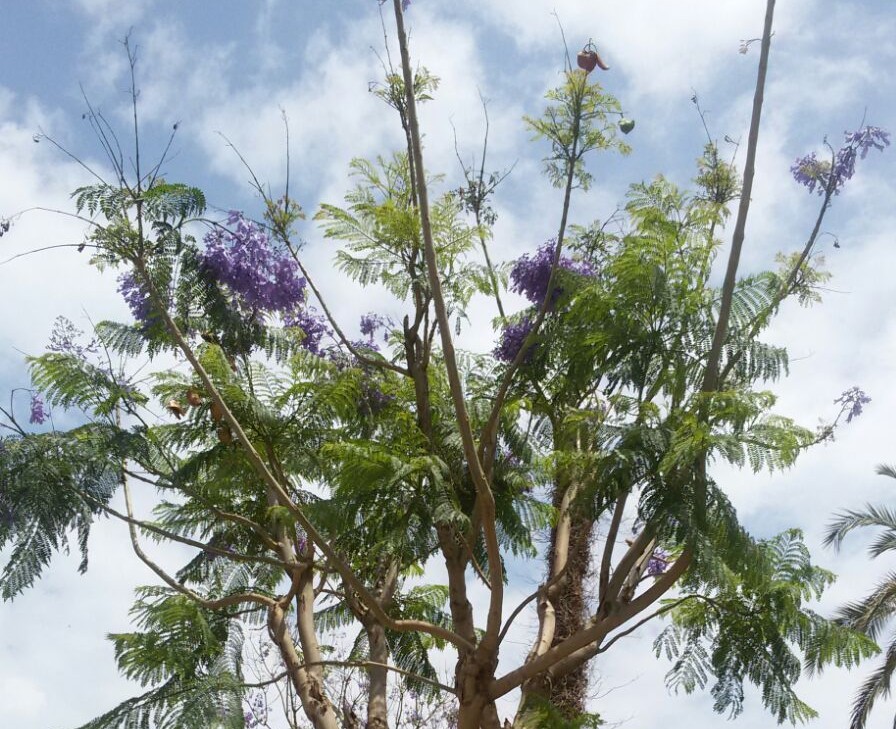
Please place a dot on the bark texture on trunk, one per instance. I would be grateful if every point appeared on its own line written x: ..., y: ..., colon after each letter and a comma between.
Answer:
x: 568, y: 693
x: 377, y: 704
x: 475, y: 709
x: 307, y: 682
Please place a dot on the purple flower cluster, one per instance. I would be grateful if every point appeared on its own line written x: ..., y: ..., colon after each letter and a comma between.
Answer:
x: 256, y: 713
x: 373, y: 399
x: 512, y: 338
x: 508, y: 457
x: 852, y: 402
x: 370, y: 324
x: 313, y: 326
x: 64, y: 339
x: 38, y: 414
x: 137, y: 298
x: 530, y: 274
x: 816, y: 174
x: 811, y: 172
x: 243, y: 259
x: 301, y: 539
x: 658, y: 562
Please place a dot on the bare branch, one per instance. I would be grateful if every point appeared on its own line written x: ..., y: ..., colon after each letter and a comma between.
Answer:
x: 711, y: 375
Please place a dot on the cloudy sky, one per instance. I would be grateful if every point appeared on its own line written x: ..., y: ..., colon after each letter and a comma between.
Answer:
x: 233, y: 74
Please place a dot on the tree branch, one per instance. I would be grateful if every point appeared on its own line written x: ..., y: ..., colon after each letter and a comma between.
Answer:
x: 483, y: 489
x: 236, y: 599
x: 590, y: 636
x: 711, y: 374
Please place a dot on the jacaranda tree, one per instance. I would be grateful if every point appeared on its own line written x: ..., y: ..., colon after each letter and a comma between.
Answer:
x: 318, y: 477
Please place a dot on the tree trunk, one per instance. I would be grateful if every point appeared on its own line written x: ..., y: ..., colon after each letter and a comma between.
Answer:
x: 562, y: 609
x: 569, y: 693
x: 377, y: 696
x: 307, y: 682
x: 472, y: 679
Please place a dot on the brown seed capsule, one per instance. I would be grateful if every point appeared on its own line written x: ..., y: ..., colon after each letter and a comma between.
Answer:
x: 174, y: 407
x: 193, y: 397
x: 587, y: 60
x: 217, y: 412
x: 224, y: 434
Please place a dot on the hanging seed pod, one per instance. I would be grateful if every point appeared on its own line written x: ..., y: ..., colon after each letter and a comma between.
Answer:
x: 224, y: 434
x: 217, y: 412
x: 587, y: 60
x: 626, y: 125
x: 193, y: 397
x: 174, y: 407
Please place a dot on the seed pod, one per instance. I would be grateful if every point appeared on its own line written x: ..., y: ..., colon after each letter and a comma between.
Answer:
x: 587, y: 60
x: 174, y: 407
x: 224, y: 434
x: 193, y: 397
x: 217, y: 412
x: 626, y: 125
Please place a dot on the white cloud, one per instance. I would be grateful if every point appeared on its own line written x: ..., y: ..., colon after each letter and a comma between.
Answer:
x: 664, y: 49
x: 21, y: 698
x: 104, y: 14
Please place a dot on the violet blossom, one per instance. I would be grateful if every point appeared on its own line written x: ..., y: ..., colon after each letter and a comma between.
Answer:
x: 373, y: 399
x: 816, y: 175
x: 658, y: 562
x: 263, y: 277
x: 512, y: 337
x: 64, y: 339
x: 256, y: 713
x: 312, y: 325
x: 137, y: 298
x: 852, y: 402
x: 370, y: 324
x: 530, y: 275
x: 38, y: 414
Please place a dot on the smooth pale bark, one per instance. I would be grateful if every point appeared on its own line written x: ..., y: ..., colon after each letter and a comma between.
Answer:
x: 476, y: 667
x: 485, y: 500
x: 562, y: 607
x: 307, y: 682
x: 377, y: 695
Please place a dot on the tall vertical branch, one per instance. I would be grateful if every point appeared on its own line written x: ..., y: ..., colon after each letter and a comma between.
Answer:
x: 485, y: 498
x: 711, y: 374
